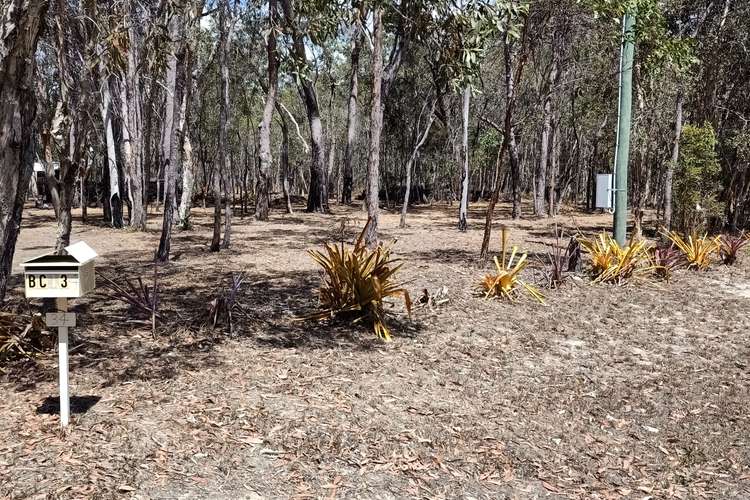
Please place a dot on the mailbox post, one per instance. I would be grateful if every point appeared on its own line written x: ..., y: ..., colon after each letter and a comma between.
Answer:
x: 61, y: 277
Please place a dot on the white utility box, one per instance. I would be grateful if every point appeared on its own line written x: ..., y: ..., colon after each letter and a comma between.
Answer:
x: 605, y: 191
x: 67, y: 276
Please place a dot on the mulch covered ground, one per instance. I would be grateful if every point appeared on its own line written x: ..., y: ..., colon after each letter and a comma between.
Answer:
x: 639, y: 391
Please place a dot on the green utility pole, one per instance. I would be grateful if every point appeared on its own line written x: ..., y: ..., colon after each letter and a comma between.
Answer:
x: 622, y: 147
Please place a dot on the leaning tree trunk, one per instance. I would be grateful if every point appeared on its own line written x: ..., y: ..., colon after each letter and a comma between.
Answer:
x: 351, y: 117
x: 509, y: 143
x: 376, y: 127
x: 410, y: 163
x: 263, y: 198
x: 22, y: 20
x: 463, y: 207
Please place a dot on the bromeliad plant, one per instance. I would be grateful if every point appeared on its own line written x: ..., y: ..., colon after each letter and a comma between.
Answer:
x: 730, y: 247
x: 504, y: 283
x: 665, y: 260
x: 611, y: 263
x: 356, y: 280
x: 696, y: 250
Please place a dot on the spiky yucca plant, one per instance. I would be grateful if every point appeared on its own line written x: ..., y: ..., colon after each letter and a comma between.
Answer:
x: 504, y: 283
x: 611, y: 263
x: 356, y: 279
x: 696, y: 250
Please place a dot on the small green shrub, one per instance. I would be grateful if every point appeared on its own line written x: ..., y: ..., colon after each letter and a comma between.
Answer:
x: 696, y: 181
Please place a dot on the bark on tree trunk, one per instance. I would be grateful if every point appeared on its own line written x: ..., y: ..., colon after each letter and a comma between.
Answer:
x: 667, y: 221
x: 19, y: 32
x: 132, y: 130
x: 376, y: 126
x: 263, y: 200
x: 351, y: 117
x: 410, y: 163
x: 224, y: 27
x: 170, y: 151
x: 49, y: 168
x: 509, y: 142
x: 554, y: 167
x: 284, y: 159
x: 188, y: 163
x: 464, y: 205
x: 317, y: 199
x: 115, y: 200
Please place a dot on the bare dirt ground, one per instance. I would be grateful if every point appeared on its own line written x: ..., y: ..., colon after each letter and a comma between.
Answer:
x: 603, y: 392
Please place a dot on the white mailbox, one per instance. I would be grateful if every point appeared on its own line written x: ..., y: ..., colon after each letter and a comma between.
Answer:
x: 67, y: 276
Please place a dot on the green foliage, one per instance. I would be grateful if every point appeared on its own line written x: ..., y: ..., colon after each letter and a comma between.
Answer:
x: 657, y: 47
x: 489, y: 143
x: 459, y: 37
x: 696, y: 180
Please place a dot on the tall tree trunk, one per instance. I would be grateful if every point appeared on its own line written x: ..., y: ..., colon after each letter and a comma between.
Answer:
x: 511, y: 77
x: 376, y: 127
x: 132, y: 130
x: 464, y: 205
x: 410, y: 163
x: 73, y: 64
x: 115, y: 200
x: 224, y: 167
x: 540, y: 189
x: 552, y: 172
x: 667, y: 221
x: 263, y: 200
x: 170, y: 151
x: 284, y: 159
x: 317, y: 200
x: 188, y: 162
x: 351, y: 116
x: 19, y: 31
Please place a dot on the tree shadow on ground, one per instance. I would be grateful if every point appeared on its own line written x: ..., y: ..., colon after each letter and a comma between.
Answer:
x: 116, y: 339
